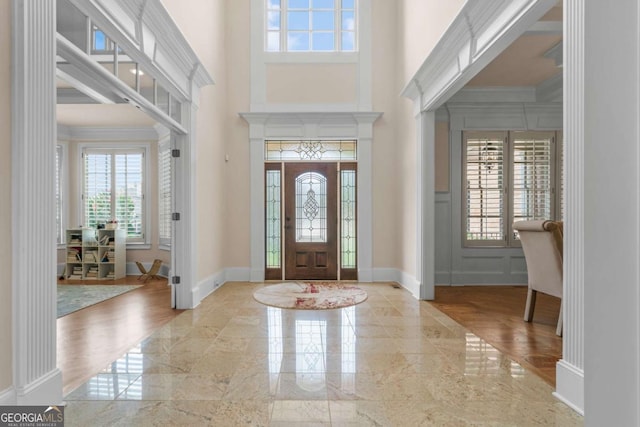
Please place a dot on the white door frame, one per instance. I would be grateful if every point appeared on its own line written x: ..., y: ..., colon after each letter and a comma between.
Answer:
x: 305, y: 126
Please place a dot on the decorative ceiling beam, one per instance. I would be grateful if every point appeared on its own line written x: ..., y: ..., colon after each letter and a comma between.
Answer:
x: 555, y: 53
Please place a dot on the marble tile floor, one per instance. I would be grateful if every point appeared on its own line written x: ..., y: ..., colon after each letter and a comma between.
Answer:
x: 389, y: 361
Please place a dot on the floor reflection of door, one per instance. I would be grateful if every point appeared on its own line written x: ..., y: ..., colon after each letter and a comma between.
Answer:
x: 310, y: 221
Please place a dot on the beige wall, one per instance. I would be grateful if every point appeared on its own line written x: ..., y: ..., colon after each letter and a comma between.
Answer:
x: 203, y: 23
x: 312, y: 83
x: 6, y: 376
x: 386, y: 208
x: 421, y: 23
x: 237, y: 208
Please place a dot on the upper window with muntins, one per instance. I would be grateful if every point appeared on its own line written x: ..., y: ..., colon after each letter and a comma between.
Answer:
x: 310, y: 26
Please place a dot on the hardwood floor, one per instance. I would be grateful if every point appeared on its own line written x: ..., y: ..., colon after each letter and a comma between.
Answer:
x: 495, y: 314
x: 91, y: 338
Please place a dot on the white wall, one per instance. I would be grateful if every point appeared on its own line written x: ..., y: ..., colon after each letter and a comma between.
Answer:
x: 612, y: 214
x: 5, y: 194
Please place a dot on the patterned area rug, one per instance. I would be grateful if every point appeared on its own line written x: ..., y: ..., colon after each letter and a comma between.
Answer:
x: 310, y: 295
x: 75, y: 297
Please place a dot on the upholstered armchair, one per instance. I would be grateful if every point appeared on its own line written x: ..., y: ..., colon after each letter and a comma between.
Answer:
x: 542, y: 245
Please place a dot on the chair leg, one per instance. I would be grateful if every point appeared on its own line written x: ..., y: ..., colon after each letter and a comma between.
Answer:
x: 531, y: 304
x: 559, y: 327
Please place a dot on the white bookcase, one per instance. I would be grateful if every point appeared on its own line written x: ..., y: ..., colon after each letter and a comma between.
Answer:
x: 96, y: 254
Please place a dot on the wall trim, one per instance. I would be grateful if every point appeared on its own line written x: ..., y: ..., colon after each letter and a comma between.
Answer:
x: 570, y: 385
x: 406, y: 280
x: 206, y: 287
x: 40, y: 391
x: 479, y: 33
x: 8, y: 396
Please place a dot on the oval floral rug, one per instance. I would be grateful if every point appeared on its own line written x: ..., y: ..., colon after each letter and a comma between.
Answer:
x: 310, y: 295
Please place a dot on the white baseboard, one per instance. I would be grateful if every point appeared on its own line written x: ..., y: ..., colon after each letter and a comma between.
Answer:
x: 207, y: 286
x: 237, y: 274
x: 8, y: 397
x: 46, y: 390
x: 570, y: 386
x: 405, y: 280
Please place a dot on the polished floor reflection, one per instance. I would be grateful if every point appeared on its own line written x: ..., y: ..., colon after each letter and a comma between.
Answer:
x: 390, y: 361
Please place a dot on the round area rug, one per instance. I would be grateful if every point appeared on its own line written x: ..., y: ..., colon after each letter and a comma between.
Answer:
x: 310, y: 295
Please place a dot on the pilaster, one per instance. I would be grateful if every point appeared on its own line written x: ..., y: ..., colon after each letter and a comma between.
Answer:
x: 36, y: 379
x: 570, y: 369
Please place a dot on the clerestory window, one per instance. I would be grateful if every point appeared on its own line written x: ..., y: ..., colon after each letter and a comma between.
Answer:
x: 310, y: 26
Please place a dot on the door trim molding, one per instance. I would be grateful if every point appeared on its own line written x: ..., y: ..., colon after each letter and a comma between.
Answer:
x: 355, y: 125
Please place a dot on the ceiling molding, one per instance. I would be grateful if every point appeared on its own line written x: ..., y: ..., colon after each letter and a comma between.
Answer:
x: 495, y: 94
x: 476, y: 36
x: 555, y: 53
x: 550, y: 90
x: 146, y: 32
x: 545, y: 28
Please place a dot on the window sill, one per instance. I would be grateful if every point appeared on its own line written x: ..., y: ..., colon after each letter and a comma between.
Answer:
x: 311, y: 57
x: 164, y: 247
x: 138, y: 246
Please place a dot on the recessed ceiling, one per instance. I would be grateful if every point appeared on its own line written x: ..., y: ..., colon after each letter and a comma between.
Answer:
x: 102, y: 115
x: 521, y: 64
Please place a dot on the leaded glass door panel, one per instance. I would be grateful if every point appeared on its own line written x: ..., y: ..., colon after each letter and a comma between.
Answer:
x: 310, y: 223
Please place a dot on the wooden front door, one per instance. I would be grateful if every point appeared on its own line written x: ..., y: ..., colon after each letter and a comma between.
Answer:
x: 310, y: 225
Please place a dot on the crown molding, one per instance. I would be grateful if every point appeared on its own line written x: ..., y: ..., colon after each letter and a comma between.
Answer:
x: 476, y: 36
x: 555, y: 53
x: 551, y: 89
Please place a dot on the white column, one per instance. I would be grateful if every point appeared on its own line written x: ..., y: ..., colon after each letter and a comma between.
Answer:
x: 256, y: 155
x: 36, y: 379
x: 570, y: 369
x: 425, y: 185
x: 611, y: 212
x: 365, y: 202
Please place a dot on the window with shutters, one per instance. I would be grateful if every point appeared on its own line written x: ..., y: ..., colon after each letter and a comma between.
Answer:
x: 508, y: 177
x: 164, y: 194
x: 310, y: 26
x: 113, y: 189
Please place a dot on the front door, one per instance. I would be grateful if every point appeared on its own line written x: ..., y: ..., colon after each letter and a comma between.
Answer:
x: 310, y: 225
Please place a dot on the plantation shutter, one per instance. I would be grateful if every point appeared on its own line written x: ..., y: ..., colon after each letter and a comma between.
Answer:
x: 532, y: 176
x: 164, y: 193
x: 484, y: 197
x: 128, y: 193
x: 97, y: 188
x: 113, y: 189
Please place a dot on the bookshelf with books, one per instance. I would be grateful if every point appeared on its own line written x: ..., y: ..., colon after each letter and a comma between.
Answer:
x: 95, y: 254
